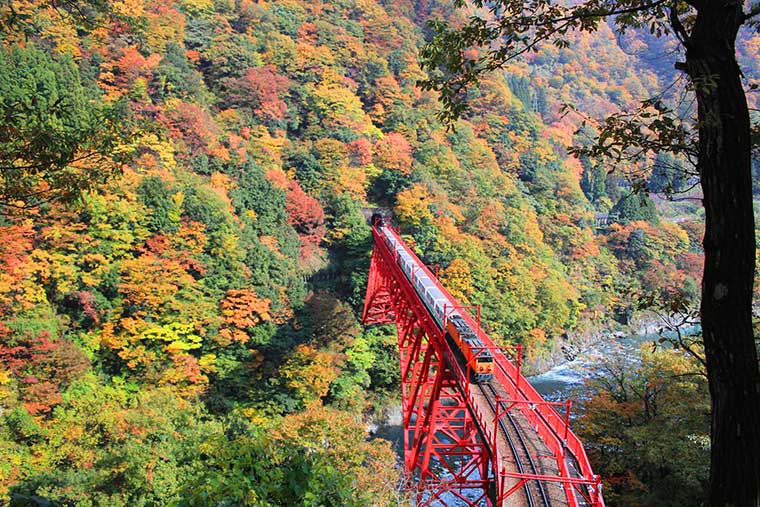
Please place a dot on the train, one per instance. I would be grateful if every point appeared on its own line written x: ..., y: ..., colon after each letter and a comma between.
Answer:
x: 460, y: 335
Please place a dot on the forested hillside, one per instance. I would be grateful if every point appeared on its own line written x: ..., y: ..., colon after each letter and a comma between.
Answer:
x: 183, y: 252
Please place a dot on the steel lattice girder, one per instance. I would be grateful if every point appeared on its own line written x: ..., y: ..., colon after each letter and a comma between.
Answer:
x: 432, y: 402
x: 442, y: 444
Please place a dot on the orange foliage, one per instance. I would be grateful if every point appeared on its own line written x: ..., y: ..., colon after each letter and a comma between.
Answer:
x: 393, y: 152
x: 360, y: 152
x: 148, y: 283
x: 243, y: 308
x: 278, y: 178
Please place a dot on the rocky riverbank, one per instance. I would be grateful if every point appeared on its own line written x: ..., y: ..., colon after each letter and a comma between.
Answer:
x: 568, y: 346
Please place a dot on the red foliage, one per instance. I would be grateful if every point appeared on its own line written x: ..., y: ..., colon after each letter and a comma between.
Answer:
x: 693, y: 264
x: 156, y: 244
x: 191, y: 124
x: 43, y: 367
x: 89, y: 304
x: 305, y: 214
x: 260, y: 89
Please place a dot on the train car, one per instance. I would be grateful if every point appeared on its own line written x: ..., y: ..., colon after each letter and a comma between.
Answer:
x: 473, y: 352
x: 470, y: 350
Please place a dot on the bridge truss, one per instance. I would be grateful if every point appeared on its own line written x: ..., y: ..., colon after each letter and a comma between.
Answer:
x: 451, y: 449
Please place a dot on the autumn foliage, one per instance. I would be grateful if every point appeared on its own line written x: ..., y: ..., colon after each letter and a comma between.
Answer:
x: 187, y: 328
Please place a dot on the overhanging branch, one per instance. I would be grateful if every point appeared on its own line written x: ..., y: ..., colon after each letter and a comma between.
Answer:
x: 753, y: 11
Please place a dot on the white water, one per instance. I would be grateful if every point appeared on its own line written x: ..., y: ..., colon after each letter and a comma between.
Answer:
x: 557, y: 384
x: 565, y: 379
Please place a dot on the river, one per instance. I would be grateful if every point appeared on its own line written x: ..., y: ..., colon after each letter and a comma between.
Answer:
x: 563, y: 380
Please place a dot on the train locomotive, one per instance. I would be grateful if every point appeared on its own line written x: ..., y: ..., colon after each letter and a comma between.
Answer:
x: 462, y: 338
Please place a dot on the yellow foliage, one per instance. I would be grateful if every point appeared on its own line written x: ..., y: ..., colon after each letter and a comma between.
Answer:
x: 332, y: 154
x: 310, y: 57
x: 271, y: 243
x: 338, y: 104
x: 341, y: 438
x: 309, y: 372
x: 221, y: 181
x: 412, y: 205
x: 198, y: 8
x: 265, y: 148
x: 457, y: 278
x: 147, y: 283
x: 190, y: 238
x: 165, y: 25
x: 164, y: 149
x: 109, y: 339
x: 132, y: 8
x: 255, y: 416
x: 352, y: 181
x: 534, y: 341
x: 65, y: 38
x: 228, y: 244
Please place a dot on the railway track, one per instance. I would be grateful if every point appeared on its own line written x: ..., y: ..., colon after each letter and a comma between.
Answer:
x: 535, y: 491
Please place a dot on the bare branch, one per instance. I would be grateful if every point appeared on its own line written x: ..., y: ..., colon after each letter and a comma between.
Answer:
x: 678, y: 28
x: 754, y: 11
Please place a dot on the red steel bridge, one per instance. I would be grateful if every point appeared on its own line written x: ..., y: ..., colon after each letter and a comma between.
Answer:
x: 494, y: 443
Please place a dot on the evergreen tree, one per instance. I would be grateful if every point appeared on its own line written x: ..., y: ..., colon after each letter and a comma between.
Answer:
x: 55, y: 141
x: 637, y: 206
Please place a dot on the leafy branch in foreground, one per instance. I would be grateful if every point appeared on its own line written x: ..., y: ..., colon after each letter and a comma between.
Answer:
x: 20, y: 20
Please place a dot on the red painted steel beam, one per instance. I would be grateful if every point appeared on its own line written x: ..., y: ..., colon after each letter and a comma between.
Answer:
x: 448, y: 442
x: 442, y: 445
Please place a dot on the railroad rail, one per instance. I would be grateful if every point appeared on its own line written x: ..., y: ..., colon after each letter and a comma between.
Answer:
x: 521, y: 452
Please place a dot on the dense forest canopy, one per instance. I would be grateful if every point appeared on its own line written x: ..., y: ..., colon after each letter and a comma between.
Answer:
x: 184, y: 252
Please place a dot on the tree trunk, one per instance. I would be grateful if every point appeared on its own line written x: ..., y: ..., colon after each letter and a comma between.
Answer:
x: 729, y: 243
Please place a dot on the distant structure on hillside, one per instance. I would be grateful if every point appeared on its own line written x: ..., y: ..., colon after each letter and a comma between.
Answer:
x: 604, y: 220
x: 370, y: 212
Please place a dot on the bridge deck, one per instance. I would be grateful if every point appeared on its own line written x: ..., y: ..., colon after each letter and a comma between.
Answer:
x: 516, y: 460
